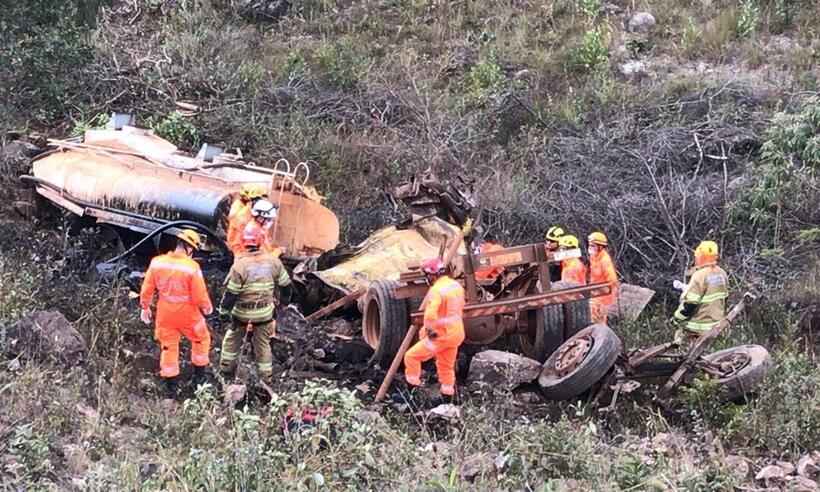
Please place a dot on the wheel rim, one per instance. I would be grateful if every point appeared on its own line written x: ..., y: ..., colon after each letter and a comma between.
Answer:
x: 730, y: 364
x: 571, y: 354
x: 372, y: 324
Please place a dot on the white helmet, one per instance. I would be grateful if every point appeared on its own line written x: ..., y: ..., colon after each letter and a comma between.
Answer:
x: 264, y: 209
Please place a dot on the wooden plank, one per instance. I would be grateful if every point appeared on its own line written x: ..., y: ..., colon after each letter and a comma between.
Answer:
x: 632, y: 300
x: 338, y: 304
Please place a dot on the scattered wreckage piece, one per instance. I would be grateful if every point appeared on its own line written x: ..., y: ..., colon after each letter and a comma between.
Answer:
x: 595, y: 356
x: 131, y: 178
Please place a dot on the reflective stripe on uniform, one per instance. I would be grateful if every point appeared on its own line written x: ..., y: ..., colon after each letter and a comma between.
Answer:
x: 229, y: 356
x: 167, y: 265
x: 175, y: 299
x: 696, y: 299
x: 413, y: 380
x: 263, y: 313
x: 199, y: 359
x: 447, y: 319
x: 448, y: 389
x: 264, y: 367
x: 701, y: 327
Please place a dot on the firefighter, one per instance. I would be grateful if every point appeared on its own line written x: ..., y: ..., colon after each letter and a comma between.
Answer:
x: 443, y: 330
x: 183, y: 300
x: 249, y: 303
x: 703, y: 301
x: 240, y: 213
x: 264, y: 213
x: 601, y: 269
x: 572, y: 269
x: 552, y: 239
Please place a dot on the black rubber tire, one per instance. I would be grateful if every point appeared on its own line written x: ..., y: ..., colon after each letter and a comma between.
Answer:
x: 747, y: 378
x: 606, y: 346
x: 386, y: 320
x: 552, y: 334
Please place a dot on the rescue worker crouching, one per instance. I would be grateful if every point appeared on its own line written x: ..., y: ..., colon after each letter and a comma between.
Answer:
x: 601, y: 269
x: 443, y: 329
x: 703, y: 302
x: 240, y: 213
x: 572, y: 269
x: 182, y: 301
x: 248, y: 302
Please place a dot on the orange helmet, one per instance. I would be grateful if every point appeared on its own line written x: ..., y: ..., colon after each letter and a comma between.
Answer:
x: 190, y: 237
x: 253, y: 235
x: 598, y: 238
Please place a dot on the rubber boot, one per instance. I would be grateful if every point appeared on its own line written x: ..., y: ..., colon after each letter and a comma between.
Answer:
x: 199, y: 376
x: 170, y: 387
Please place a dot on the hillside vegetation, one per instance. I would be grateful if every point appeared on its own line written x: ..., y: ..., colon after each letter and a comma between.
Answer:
x: 703, y: 124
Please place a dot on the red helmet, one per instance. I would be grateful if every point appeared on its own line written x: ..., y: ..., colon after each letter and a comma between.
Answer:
x: 433, y: 266
x: 253, y: 235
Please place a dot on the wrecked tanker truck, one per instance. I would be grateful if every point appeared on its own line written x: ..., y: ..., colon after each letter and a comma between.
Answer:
x: 130, y: 178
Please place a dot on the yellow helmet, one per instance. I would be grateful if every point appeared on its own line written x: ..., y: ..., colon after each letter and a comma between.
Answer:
x: 707, y: 248
x: 252, y: 191
x: 569, y: 241
x: 554, y: 233
x: 191, y: 237
x: 598, y: 238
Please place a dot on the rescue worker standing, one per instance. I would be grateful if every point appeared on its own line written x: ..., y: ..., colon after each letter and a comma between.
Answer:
x: 572, y: 269
x: 552, y: 243
x: 703, y: 302
x: 240, y: 214
x: 183, y: 300
x: 264, y: 213
x: 601, y: 269
x: 249, y: 303
x: 443, y: 329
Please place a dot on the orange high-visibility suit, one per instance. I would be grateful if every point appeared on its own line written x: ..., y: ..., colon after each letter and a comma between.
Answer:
x: 238, y: 218
x: 443, y: 310
x: 183, y: 298
x: 601, y: 269
x: 573, y: 270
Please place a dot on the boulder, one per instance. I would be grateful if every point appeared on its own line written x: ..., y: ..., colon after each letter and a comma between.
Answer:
x: 500, y: 369
x: 46, y: 335
x: 641, y: 22
x: 263, y: 9
x: 808, y: 466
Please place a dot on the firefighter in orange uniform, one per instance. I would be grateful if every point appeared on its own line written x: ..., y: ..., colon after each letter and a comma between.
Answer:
x: 572, y: 269
x: 443, y: 330
x: 601, y: 269
x: 182, y: 302
x: 240, y: 214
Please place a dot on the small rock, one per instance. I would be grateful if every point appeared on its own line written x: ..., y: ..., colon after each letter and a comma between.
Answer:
x: 363, y: 388
x: 504, y: 370
x: 476, y: 464
x: 771, y: 474
x: 528, y: 398
x: 737, y: 465
x: 633, y: 69
x: 318, y: 354
x: 500, y: 462
x: 341, y: 326
x: 368, y: 417
x: 787, y: 467
x: 802, y: 484
x: 807, y: 467
x: 641, y: 22
x: 48, y: 335
x: 234, y: 393
x: 447, y: 411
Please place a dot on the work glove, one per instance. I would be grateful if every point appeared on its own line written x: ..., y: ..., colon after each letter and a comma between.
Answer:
x: 678, y: 285
x: 145, y: 316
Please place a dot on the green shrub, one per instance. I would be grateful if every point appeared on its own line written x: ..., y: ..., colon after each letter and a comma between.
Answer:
x: 590, y: 8
x: 177, y: 129
x: 342, y: 64
x: 484, y: 80
x: 593, y: 52
x: 748, y: 18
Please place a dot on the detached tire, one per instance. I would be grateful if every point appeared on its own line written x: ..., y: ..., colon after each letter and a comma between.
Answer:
x: 384, y: 322
x: 580, y: 362
x: 752, y: 363
x: 542, y: 341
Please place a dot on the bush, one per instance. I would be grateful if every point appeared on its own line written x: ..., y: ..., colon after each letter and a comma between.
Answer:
x: 342, y: 64
x: 177, y: 129
x: 748, y: 18
x: 593, y: 53
x: 484, y: 80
